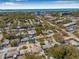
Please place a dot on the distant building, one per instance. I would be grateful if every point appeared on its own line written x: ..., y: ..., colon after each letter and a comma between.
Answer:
x: 40, y: 13
x: 66, y: 14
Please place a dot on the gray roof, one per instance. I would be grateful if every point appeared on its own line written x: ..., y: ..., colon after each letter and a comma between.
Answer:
x: 25, y: 39
x: 6, y: 41
x: 11, y: 53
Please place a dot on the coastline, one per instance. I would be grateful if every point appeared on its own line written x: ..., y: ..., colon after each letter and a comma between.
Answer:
x: 39, y: 10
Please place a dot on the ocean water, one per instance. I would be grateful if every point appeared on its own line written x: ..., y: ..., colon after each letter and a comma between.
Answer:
x: 40, y: 10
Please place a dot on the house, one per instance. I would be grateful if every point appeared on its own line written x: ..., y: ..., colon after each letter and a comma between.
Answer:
x: 30, y: 27
x: 47, y: 44
x: 37, y: 21
x: 34, y: 48
x: 73, y: 42
x: 41, y: 53
x: 73, y: 18
x: 14, y: 56
x: 59, y: 21
x: 32, y: 32
x: 30, y: 21
x: 44, y: 31
x: 22, y: 52
x: 70, y: 26
x: 48, y: 32
x: 24, y: 39
x: 11, y: 53
x: 5, y: 43
x: 4, y: 52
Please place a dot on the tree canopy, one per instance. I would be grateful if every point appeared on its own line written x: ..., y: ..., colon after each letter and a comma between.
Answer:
x: 63, y: 52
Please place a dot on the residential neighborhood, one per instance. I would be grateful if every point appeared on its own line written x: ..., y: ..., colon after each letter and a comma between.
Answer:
x: 39, y: 35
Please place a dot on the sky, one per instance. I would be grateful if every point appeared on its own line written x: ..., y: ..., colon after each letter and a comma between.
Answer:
x: 38, y: 4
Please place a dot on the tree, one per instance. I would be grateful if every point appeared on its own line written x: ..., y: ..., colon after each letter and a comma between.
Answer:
x: 63, y: 52
x: 38, y: 30
x: 33, y: 56
x: 77, y: 22
x: 14, y: 43
x: 40, y: 57
x: 4, y: 35
x: 29, y: 55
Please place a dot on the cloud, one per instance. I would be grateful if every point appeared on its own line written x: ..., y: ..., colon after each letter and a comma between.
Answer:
x: 14, y: 5
x: 65, y: 2
x: 8, y: 3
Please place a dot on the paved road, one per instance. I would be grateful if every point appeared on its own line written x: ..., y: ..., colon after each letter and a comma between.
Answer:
x: 50, y: 34
x: 70, y: 34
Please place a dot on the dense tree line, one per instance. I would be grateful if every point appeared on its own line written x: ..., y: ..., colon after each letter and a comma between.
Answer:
x: 63, y: 52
